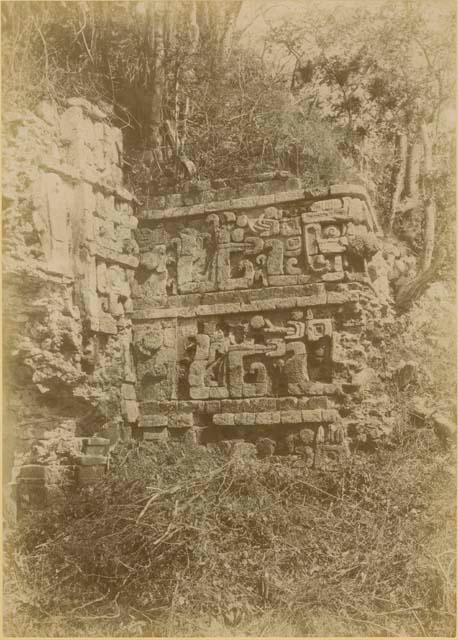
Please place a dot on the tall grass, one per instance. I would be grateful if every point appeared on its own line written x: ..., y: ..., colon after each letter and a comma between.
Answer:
x: 185, y: 541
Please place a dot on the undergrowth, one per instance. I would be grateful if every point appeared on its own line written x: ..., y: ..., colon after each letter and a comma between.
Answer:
x: 184, y: 541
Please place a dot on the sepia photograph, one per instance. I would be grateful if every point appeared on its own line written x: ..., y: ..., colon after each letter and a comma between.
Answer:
x: 229, y: 318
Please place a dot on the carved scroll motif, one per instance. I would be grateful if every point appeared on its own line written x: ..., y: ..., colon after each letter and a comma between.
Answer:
x: 240, y: 361
x: 324, y: 246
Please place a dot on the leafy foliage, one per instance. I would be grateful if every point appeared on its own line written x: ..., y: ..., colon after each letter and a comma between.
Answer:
x: 379, y: 71
x: 235, y: 121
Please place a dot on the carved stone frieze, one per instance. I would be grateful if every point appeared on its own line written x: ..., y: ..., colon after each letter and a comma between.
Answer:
x: 274, y: 246
x: 248, y: 320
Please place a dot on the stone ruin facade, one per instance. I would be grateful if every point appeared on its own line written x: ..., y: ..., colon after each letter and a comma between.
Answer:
x: 248, y: 315
x: 214, y: 315
x: 69, y: 260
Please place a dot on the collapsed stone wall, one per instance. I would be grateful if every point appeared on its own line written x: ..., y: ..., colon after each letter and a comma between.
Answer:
x: 69, y: 257
x: 252, y: 317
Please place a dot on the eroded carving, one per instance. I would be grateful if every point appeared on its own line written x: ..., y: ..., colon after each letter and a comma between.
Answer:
x: 255, y: 303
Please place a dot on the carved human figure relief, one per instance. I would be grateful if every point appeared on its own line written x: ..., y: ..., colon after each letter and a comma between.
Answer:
x: 51, y: 218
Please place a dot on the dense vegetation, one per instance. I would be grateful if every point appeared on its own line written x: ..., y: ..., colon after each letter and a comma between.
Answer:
x: 184, y: 541
x: 180, y: 542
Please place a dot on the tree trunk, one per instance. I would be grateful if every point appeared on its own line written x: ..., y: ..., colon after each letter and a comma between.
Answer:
x: 208, y: 21
x: 429, y: 199
x: 414, y: 289
x: 156, y: 23
x: 194, y: 30
x: 401, y: 144
x: 406, y: 192
x: 231, y: 15
x: 429, y: 268
x: 413, y: 171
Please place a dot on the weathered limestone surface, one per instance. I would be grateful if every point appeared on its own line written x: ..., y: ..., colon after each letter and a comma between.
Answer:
x: 69, y: 257
x: 229, y: 314
x: 250, y: 314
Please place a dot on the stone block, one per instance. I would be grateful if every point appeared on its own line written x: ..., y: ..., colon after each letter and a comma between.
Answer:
x: 268, y: 417
x: 255, y: 405
x: 150, y: 407
x: 189, y: 437
x: 224, y: 419
x: 350, y: 388
x: 291, y: 417
x: 181, y: 421
x: 29, y: 494
x: 155, y: 434
x: 289, y: 196
x: 310, y: 301
x: 286, y: 404
x: 244, y: 418
x: 173, y: 200
x: 92, y: 460
x: 153, y: 421
x: 168, y: 407
x: 265, y: 305
x: 199, y: 393
x: 225, y: 194
x: 303, y: 278
x: 281, y: 281
x: 218, y: 393
x: 311, y: 415
x: 320, y: 388
x: 90, y: 109
x: 238, y: 419
x: 187, y: 406
x: 130, y: 410
x: 232, y: 406
x: 33, y: 472
x: 96, y: 446
x: 317, y: 402
x: 211, y: 407
x: 287, y: 303
x: 192, y: 197
x: 295, y: 388
x: 341, y: 297
x: 208, y: 195
x: 169, y: 336
x: 330, y: 415
x: 247, y: 307
x: 128, y: 392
